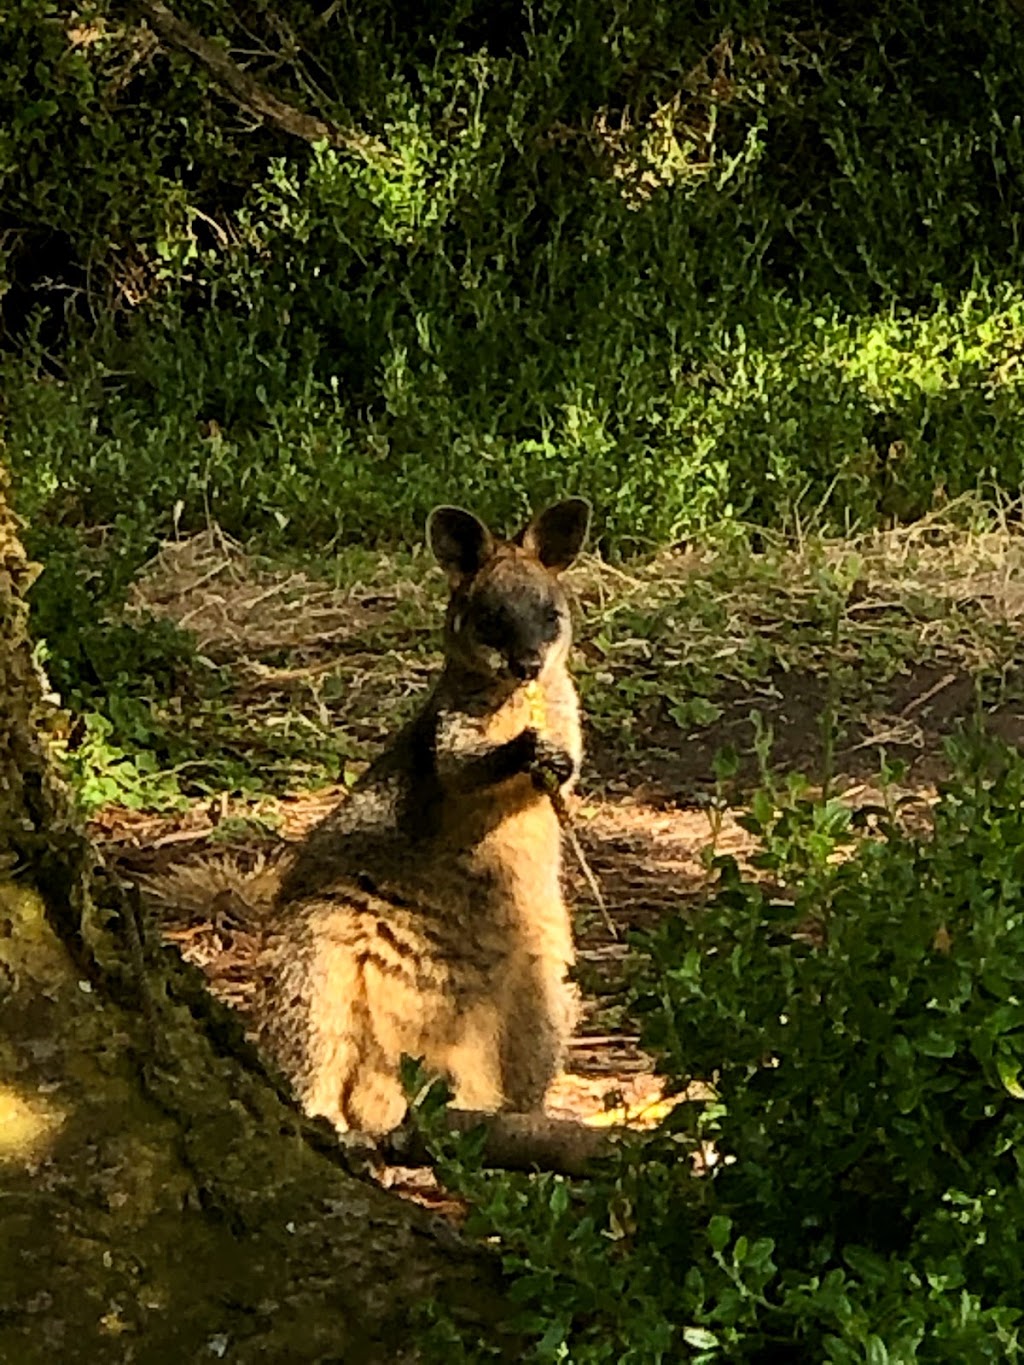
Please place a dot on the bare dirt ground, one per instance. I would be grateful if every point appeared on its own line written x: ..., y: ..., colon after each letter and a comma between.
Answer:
x: 644, y: 845
x: 841, y: 651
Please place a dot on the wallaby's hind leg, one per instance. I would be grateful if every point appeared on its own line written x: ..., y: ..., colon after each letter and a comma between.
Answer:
x: 471, y: 1060
x: 349, y: 1079
x: 539, y: 1016
x: 375, y: 1002
x: 355, y: 999
x: 374, y: 1101
x: 330, y: 1023
x: 419, y: 1019
x: 396, y: 1009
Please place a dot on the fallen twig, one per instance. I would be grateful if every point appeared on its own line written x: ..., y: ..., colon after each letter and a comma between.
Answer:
x: 249, y: 93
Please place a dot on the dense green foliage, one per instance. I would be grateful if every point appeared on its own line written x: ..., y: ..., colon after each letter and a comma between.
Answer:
x: 696, y: 261
x: 865, y: 1036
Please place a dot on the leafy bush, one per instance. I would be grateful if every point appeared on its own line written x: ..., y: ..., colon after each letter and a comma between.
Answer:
x: 696, y: 264
x: 864, y: 1037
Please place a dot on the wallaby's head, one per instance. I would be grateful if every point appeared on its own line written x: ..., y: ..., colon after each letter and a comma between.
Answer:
x: 508, y: 618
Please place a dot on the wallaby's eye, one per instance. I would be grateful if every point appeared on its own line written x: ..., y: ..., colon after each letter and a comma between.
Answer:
x: 550, y: 621
x: 490, y: 627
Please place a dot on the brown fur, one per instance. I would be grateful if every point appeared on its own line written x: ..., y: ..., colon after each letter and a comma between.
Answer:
x: 426, y: 916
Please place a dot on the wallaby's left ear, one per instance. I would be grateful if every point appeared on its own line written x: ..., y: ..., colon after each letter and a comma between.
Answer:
x: 557, y: 535
x: 460, y: 541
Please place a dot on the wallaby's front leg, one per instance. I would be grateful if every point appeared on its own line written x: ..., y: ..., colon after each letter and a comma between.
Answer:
x: 555, y: 716
x: 549, y: 766
x: 466, y: 763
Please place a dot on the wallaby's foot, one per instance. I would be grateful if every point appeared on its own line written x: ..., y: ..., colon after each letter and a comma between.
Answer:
x: 363, y: 1155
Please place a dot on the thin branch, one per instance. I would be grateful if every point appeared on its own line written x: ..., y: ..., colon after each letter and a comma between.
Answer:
x: 249, y: 93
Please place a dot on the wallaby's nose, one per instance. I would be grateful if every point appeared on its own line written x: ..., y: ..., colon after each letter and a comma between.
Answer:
x: 526, y: 666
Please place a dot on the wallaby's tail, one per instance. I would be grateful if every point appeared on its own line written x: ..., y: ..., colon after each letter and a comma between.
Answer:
x: 215, y: 913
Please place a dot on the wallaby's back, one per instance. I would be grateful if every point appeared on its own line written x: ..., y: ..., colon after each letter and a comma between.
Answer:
x: 426, y: 916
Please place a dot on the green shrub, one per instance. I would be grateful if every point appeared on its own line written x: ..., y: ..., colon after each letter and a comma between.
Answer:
x: 726, y: 263
x: 864, y: 1036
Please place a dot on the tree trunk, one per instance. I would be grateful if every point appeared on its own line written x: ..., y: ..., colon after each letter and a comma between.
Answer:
x: 159, y: 1199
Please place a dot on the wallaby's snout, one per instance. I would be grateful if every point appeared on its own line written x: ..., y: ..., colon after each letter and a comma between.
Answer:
x: 512, y: 621
x: 526, y: 668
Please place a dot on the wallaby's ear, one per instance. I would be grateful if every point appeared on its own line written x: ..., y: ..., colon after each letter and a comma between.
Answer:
x: 556, y: 535
x: 461, y: 542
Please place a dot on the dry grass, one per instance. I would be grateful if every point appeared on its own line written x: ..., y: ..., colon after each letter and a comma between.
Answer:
x: 939, y: 588
x: 308, y: 665
x: 351, y: 656
x: 313, y: 672
x: 242, y: 609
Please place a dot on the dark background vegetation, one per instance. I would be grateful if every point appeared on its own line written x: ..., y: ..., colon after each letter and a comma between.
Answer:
x: 707, y: 264
x: 696, y: 261
x: 717, y: 267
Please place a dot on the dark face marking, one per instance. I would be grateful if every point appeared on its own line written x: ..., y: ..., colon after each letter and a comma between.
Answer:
x: 510, y: 618
x: 504, y: 625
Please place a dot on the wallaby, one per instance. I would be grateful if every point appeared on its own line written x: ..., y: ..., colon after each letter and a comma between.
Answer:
x: 425, y: 916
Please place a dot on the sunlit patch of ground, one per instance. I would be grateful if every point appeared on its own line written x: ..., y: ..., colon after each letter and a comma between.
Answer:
x: 649, y: 860
x: 812, y: 656
x: 635, y: 1101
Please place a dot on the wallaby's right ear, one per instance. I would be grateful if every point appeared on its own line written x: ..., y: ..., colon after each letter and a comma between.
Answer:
x: 461, y: 543
x: 557, y: 535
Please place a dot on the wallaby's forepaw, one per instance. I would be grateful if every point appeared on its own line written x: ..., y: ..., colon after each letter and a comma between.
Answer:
x: 552, y: 765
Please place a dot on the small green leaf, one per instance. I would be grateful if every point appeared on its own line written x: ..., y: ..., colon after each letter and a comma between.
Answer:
x: 877, y: 1353
x: 559, y: 1201
x: 1009, y: 1070
x: 725, y: 764
x: 936, y: 1044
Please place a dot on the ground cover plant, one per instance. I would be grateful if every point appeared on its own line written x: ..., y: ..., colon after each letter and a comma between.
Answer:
x: 861, y: 1027
x: 753, y: 261
x: 756, y: 264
